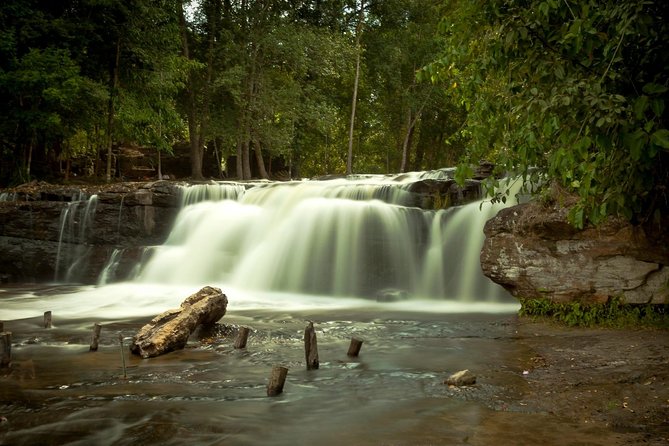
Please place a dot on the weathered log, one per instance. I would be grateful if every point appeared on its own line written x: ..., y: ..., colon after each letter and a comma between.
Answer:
x: 242, y: 337
x: 310, y: 347
x: 277, y: 380
x: 354, y: 347
x: 170, y: 330
x: 5, y: 349
x: 47, y: 319
x: 95, y: 339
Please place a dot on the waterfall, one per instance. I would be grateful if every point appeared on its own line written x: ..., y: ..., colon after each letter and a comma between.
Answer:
x: 76, y: 224
x: 349, y: 238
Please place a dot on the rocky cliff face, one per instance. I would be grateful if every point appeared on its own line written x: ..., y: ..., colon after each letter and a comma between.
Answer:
x: 46, y: 229
x: 533, y: 252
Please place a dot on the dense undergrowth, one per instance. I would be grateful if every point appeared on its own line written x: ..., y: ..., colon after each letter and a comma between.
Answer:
x: 611, y: 314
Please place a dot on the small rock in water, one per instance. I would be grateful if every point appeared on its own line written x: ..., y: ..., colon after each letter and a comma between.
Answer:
x: 391, y: 295
x: 461, y: 378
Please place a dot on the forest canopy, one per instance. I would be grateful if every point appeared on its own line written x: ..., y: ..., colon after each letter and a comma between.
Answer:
x: 239, y: 80
x: 558, y: 91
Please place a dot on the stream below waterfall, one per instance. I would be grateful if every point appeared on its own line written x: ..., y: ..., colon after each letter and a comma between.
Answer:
x: 354, y: 257
x: 58, y: 392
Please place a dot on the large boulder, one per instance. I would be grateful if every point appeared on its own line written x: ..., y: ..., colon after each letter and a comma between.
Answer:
x: 533, y: 252
x: 171, y: 329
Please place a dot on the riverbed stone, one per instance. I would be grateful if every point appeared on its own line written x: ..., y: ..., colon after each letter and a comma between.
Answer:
x: 461, y: 378
x: 171, y: 329
x: 533, y: 252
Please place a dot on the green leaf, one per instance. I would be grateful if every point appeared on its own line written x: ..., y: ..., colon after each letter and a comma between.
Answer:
x: 654, y: 88
x: 661, y: 138
x: 636, y: 141
x: 657, y: 105
x: 640, y: 106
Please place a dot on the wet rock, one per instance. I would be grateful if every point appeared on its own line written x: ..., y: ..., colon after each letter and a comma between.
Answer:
x: 533, y: 252
x: 170, y: 330
x: 125, y: 216
x: 391, y: 295
x: 439, y: 194
x: 461, y: 378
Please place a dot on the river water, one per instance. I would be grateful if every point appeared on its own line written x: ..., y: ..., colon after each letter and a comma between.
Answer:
x: 58, y: 392
x: 393, y: 393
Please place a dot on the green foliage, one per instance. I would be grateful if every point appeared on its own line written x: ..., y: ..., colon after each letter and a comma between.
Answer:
x: 79, y: 77
x: 573, y: 90
x: 613, y: 313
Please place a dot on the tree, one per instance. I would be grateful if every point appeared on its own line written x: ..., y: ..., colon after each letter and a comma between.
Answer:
x: 572, y: 92
x: 356, y: 82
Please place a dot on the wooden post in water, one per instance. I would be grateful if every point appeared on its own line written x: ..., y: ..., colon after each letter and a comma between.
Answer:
x: 277, y: 380
x: 120, y: 339
x: 95, y: 339
x: 310, y: 347
x: 242, y: 337
x: 2, y: 326
x: 47, y: 319
x: 5, y: 349
x: 354, y: 348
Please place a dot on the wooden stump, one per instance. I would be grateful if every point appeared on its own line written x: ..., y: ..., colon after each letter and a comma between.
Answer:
x: 277, y: 380
x: 120, y: 340
x: 310, y: 347
x: 47, y: 319
x: 242, y: 337
x: 354, y: 348
x: 95, y: 339
x: 5, y: 349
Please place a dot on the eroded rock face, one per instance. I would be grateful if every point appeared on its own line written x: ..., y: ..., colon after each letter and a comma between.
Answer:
x: 171, y: 329
x: 35, y: 239
x: 533, y: 252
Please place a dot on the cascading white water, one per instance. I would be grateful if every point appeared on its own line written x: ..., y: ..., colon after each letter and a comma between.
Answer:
x: 335, y: 238
x: 76, y: 221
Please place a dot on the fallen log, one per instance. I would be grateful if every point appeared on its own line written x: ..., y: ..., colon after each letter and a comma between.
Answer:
x: 170, y: 330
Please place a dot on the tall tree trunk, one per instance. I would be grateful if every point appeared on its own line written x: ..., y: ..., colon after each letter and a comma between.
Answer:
x: 354, y: 101
x: 248, y: 124
x: 98, y: 151
x: 261, y: 163
x: 246, y: 159
x: 195, y: 152
x: 239, y: 164
x: 405, y: 144
x: 29, y: 156
x: 217, y: 156
x: 160, y: 166
x: 110, y: 109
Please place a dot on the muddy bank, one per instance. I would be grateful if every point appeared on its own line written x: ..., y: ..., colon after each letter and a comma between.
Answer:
x: 618, y: 379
